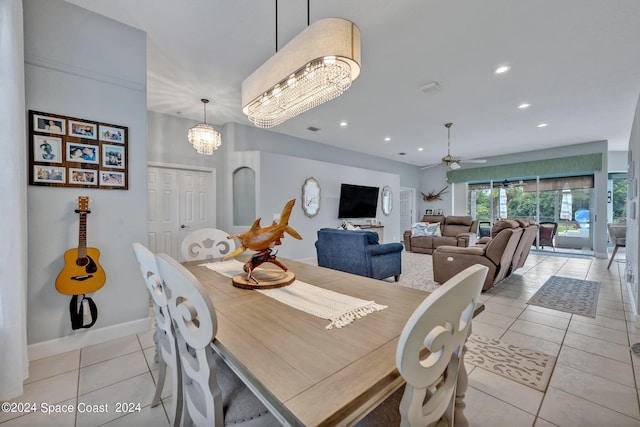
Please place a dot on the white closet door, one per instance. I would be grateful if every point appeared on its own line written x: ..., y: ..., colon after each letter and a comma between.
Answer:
x: 179, y: 201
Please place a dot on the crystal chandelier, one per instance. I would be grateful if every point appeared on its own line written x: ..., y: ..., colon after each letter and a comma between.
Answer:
x: 204, y: 138
x: 328, y: 54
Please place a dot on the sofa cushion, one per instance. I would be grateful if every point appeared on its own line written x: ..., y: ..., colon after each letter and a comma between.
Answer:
x: 503, y: 224
x: 433, y: 218
x: 419, y: 229
x: 444, y: 241
x: 372, y: 237
x: 459, y: 220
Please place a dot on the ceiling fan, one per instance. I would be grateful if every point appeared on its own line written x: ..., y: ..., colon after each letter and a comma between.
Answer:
x: 452, y: 161
x: 510, y: 184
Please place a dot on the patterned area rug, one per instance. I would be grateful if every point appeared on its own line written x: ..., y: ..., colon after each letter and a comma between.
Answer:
x: 519, y: 364
x: 417, y: 272
x: 569, y: 295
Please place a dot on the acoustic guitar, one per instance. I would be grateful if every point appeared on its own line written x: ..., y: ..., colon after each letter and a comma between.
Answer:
x: 82, y: 273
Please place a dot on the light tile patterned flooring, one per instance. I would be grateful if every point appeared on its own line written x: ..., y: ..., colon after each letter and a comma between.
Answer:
x: 594, y: 383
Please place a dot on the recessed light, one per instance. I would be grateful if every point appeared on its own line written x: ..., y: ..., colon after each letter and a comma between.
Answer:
x: 543, y: 125
x: 502, y: 69
x: 524, y: 105
x: 387, y: 139
x: 420, y: 149
x: 343, y: 124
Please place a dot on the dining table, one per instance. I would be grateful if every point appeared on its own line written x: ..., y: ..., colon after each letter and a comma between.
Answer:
x: 304, y: 373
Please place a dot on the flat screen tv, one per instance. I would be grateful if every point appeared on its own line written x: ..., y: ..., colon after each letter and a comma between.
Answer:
x: 358, y: 201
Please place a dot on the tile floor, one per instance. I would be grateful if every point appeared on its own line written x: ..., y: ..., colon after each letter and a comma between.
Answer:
x: 594, y: 383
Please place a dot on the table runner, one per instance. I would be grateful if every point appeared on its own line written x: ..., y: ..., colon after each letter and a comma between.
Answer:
x: 338, y: 308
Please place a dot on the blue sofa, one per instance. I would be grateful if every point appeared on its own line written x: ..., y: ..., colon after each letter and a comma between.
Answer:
x: 358, y: 252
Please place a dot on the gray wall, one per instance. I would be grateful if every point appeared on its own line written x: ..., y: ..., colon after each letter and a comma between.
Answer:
x: 82, y: 65
x: 282, y: 179
x: 281, y: 164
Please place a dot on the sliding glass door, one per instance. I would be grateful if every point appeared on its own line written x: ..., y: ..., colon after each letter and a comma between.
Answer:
x: 565, y: 202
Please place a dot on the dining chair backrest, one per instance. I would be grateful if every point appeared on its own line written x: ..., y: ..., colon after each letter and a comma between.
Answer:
x: 196, y: 325
x: 618, y: 236
x: 212, y: 394
x: 617, y: 233
x: 165, y: 335
x: 206, y: 243
x: 440, y: 324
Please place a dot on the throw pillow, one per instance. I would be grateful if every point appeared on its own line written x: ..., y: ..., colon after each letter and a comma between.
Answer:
x: 433, y: 230
x: 419, y: 229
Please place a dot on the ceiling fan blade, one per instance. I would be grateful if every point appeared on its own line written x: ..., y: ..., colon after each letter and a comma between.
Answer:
x: 473, y: 161
x: 455, y: 165
x: 430, y: 166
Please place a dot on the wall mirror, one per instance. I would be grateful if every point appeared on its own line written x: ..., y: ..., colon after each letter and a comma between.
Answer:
x: 311, y: 197
x: 387, y: 200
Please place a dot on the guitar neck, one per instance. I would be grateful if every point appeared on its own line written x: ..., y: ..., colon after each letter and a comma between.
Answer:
x: 82, y: 236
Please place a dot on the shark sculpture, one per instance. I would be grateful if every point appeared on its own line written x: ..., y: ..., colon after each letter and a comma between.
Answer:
x: 263, y: 239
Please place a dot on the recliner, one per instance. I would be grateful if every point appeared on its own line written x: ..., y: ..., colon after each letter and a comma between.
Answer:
x: 496, y: 254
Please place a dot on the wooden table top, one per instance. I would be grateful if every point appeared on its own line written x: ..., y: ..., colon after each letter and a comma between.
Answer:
x: 322, y: 377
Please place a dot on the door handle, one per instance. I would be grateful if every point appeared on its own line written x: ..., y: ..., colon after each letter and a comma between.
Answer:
x: 183, y: 226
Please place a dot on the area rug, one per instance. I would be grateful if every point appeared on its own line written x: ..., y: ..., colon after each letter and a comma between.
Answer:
x: 519, y: 364
x: 417, y: 272
x: 569, y: 295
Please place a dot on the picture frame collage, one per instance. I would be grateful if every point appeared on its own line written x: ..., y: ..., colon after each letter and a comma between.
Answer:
x: 72, y: 152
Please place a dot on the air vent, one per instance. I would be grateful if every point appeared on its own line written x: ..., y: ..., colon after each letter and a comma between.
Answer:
x: 313, y: 129
x: 402, y: 154
x: 431, y: 86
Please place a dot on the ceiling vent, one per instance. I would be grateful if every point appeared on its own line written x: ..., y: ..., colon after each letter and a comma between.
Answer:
x: 430, y: 87
x: 313, y: 129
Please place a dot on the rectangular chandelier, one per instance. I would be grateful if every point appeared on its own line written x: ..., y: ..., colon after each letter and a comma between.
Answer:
x: 316, y: 66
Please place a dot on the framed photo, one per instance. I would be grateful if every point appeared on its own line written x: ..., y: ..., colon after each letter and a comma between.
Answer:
x: 75, y: 152
x: 112, y: 179
x: 83, y: 176
x: 112, y: 134
x: 113, y: 156
x: 83, y: 129
x: 428, y: 212
x: 47, y: 149
x: 83, y: 153
x: 48, y: 124
x: 49, y: 174
x: 438, y: 211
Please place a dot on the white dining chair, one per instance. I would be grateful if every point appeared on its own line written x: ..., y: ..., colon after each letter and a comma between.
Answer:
x: 212, y: 394
x: 164, y: 337
x: 441, y: 324
x: 617, y: 236
x: 206, y: 243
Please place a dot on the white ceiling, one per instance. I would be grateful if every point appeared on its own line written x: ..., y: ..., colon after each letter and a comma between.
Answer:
x: 576, y: 61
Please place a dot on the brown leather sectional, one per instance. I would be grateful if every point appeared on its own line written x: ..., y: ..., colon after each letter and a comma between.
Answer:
x: 504, y: 252
x: 456, y: 231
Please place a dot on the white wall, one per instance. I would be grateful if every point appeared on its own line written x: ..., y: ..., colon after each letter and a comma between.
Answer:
x: 432, y: 180
x: 633, y: 224
x: 82, y: 65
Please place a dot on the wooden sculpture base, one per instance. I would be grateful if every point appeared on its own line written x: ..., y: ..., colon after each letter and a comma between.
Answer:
x: 267, y: 279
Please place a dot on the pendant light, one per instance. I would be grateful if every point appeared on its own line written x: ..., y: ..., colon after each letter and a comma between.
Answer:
x: 204, y: 138
x: 316, y: 66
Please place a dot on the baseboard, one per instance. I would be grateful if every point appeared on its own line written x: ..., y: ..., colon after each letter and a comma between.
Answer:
x: 90, y: 337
